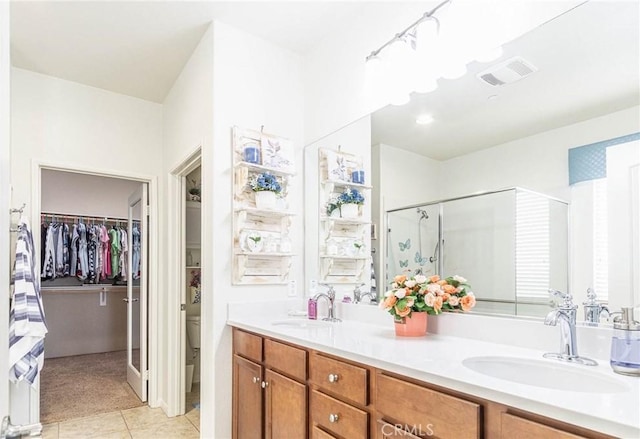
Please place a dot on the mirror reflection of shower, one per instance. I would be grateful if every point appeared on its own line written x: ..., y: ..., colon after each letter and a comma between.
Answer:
x: 412, y: 242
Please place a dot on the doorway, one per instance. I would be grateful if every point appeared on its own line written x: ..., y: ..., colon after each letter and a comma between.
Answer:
x: 94, y: 293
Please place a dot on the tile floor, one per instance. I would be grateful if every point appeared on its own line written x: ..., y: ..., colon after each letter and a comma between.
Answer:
x: 139, y: 422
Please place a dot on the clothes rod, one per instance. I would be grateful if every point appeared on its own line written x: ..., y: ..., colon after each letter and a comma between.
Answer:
x: 57, y: 216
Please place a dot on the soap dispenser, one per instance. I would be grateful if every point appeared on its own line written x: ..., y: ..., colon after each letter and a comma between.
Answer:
x: 625, y: 344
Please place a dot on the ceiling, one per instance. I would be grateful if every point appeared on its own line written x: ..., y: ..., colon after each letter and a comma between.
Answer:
x: 589, y: 65
x: 139, y: 48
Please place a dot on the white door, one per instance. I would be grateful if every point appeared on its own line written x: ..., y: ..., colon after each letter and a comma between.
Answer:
x: 137, y: 375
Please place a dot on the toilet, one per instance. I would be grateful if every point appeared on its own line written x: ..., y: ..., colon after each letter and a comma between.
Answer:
x: 193, y: 338
x: 193, y: 333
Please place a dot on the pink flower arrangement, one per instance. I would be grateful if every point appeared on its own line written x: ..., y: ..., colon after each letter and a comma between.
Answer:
x: 432, y: 295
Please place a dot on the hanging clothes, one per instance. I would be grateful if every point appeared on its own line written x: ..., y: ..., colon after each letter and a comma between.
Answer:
x: 75, y: 238
x: 82, y: 252
x: 92, y: 253
x: 114, y: 237
x: 124, y: 253
x: 49, y: 261
x: 106, y: 253
x: 66, y: 257
x: 27, y: 326
x: 135, y: 238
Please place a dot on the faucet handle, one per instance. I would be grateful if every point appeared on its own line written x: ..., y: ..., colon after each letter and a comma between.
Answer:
x: 567, y: 299
x: 330, y: 291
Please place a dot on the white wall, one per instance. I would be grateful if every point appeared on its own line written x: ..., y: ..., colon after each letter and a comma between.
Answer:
x: 540, y: 163
x: 90, y: 195
x: 62, y: 123
x: 187, y: 126
x: 5, y: 191
x: 255, y: 84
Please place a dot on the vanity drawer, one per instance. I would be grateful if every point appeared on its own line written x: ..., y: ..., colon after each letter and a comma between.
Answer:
x: 337, y: 417
x: 247, y: 345
x: 515, y: 426
x: 286, y: 359
x: 340, y: 378
x: 422, y: 408
x: 317, y: 433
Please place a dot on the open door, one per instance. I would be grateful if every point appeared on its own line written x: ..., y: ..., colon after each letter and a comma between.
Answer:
x: 137, y: 374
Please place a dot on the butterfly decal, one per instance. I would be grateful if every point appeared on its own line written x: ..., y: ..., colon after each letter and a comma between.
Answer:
x: 419, y: 259
x: 404, y: 263
x: 405, y: 245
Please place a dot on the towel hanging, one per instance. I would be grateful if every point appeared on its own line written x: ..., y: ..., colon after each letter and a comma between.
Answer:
x: 27, y: 326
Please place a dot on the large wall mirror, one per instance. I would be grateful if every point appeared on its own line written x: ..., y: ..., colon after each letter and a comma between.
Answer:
x: 583, y: 90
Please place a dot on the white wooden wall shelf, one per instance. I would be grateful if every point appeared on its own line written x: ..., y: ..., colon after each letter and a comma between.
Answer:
x: 335, y: 176
x: 266, y: 260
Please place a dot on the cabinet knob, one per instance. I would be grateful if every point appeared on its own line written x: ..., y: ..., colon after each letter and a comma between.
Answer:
x: 333, y: 377
x: 256, y: 380
x: 333, y: 417
x: 265, y: 384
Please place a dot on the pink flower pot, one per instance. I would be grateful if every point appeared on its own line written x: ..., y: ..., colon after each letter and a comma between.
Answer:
x: 414, y: 326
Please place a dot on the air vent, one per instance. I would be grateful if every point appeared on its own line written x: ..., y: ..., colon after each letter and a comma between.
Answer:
x: 507, y: 72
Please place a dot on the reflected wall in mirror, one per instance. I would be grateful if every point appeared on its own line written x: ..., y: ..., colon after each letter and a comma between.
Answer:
x: 511, y: 245
x: 486, y: 138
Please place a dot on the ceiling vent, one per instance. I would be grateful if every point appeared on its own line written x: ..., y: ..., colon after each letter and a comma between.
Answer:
x: 507, y: 72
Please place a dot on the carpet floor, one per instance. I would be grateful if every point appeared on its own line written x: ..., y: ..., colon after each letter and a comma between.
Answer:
x: 85, y: 385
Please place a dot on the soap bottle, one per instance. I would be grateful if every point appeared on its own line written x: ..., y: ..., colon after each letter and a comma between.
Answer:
x: 625, y: 344
x: 312, y: 309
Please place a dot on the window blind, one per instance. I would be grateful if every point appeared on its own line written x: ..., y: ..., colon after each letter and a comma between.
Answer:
x: 600, y: 240
x: 532, y: 246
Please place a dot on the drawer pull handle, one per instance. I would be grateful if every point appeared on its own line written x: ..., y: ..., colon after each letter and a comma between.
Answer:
x: 256, y: 380
x: 265, y: 384
x: 333, y: 377
x: 333, y: 417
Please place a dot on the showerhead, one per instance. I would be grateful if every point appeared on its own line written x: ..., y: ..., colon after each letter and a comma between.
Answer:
x: 422, y: 213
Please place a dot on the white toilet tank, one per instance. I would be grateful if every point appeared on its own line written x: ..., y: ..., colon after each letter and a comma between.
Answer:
x: 193, y: 331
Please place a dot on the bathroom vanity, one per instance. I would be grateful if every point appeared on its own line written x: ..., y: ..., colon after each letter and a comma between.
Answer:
x: 357, y: 380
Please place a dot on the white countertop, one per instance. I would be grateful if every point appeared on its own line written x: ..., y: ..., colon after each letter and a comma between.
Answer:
x: 437, y: 359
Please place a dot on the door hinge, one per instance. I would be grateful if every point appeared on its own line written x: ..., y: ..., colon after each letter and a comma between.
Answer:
x: 145, y: 376
x: 183, y: 307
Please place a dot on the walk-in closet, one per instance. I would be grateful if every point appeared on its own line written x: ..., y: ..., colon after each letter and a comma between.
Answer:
x: 91, y: 249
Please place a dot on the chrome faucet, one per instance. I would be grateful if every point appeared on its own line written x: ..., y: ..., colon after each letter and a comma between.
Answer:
x: 358, y: 295
x: 565, y: 314
x: 330, y: 295
x: 593, y: 310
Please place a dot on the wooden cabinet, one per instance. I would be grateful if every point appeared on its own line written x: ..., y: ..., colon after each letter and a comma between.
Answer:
x: 286, y: 391
x: 515, y: 426
x: 340, y: 378
x: 285, y: 407
x: 266, y: 403
x: 247, y: 399
x: 424, y: 409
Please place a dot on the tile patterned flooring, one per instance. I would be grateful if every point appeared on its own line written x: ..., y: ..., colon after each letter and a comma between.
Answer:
x: 140, y: 422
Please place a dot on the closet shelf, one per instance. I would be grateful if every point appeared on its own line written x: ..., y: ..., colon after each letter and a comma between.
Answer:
x: 261, y: 168
x: 190, y: 267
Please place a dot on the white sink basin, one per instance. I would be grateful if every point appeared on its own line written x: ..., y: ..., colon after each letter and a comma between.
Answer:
x: 545, y: 374
x: 302, y: 323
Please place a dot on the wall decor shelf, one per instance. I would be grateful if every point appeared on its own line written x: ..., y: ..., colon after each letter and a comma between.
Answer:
x: 261, y: 244
x: 343, y: 253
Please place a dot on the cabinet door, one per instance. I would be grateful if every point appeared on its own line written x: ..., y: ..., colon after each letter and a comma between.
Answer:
x: 515, y: 426
x: 285, y: 407
x: 247, y: 399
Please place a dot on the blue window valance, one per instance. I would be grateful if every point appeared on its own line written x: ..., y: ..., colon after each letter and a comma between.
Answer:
x: 589, y: 162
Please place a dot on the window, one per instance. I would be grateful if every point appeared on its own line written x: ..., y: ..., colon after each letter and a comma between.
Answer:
x: 600, y: 240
